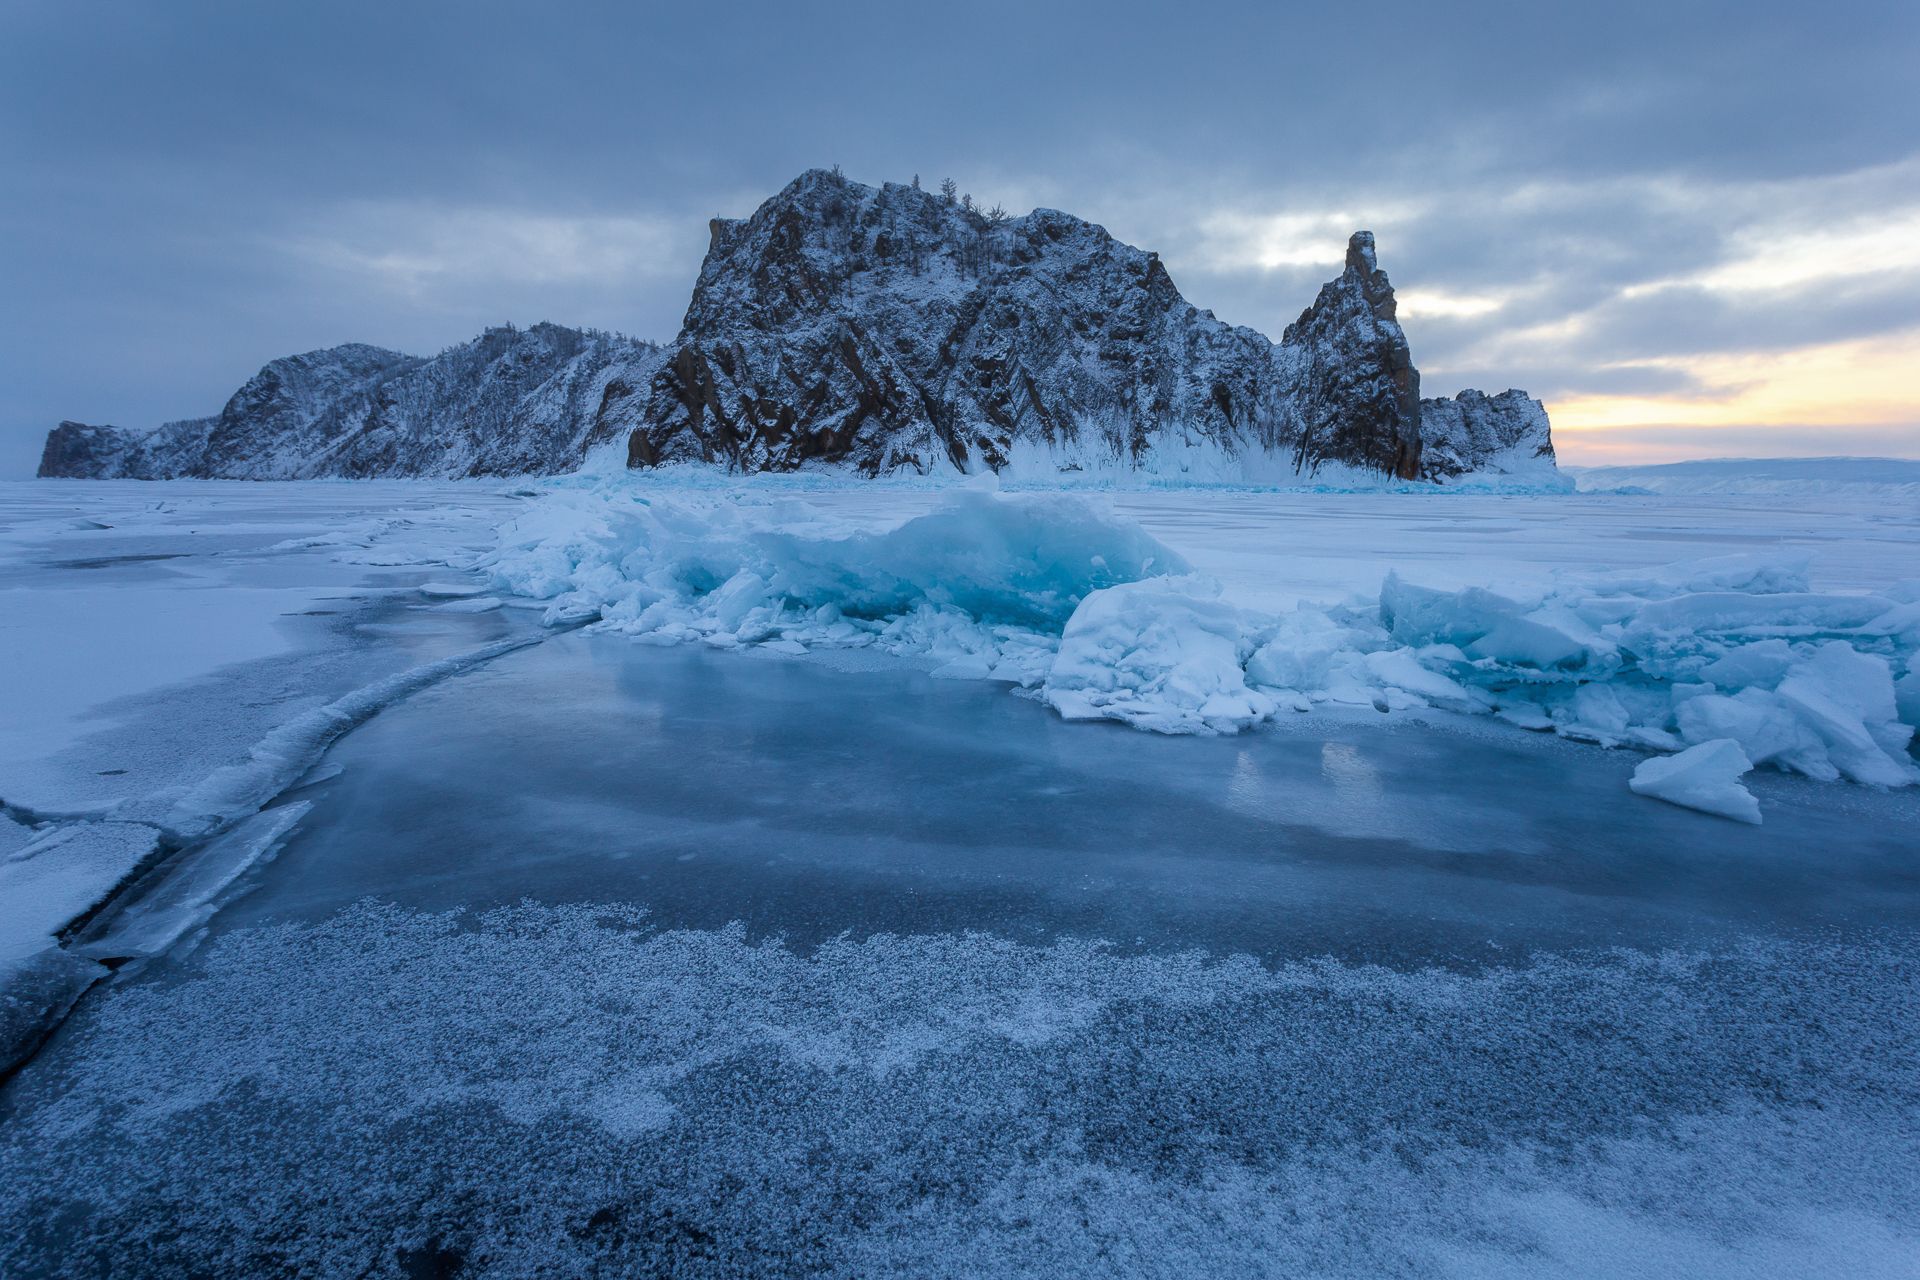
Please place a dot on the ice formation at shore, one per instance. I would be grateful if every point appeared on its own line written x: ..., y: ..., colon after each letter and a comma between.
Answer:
x: 1080, y: 607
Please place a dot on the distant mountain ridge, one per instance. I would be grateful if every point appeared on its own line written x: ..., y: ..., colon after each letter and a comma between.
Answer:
x: 876, y: 330
x: 510, y: 402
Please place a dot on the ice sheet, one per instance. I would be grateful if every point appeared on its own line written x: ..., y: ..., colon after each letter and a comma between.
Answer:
x: 58, y: 876
x: 177, y: 653
x: 1706, y: 776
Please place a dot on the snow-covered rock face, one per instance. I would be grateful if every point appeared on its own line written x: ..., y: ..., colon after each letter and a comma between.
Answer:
x: 1474, y: 432
x: 878, y: 330
x: 1479, y: 432
x: 1351, y: 386
x: 891, y: 329
x: 510, y: 402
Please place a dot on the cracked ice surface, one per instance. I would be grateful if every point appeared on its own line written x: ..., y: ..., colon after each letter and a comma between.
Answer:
x: 178, y: 653
x: 1497, y: 1026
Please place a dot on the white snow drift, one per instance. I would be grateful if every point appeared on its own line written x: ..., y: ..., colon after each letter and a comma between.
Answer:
x: 1081, y: 607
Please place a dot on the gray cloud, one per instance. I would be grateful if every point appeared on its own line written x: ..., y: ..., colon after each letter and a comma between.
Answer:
x: 197, y: 187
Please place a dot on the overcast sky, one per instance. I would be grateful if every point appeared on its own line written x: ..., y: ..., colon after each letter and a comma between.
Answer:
x: 1692, y: 228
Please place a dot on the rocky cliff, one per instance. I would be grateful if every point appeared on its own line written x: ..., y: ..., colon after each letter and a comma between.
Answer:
x: 877, y: 330
x: 890, y: 328
x: 1474, y: 432
x: 510, y: 402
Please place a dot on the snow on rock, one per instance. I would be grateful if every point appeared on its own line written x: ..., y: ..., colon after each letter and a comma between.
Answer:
x: 1505, y: 435
x: 1705, y: 776
x: 511, y: 401
x: 879, y: 331
x: 887, y: 329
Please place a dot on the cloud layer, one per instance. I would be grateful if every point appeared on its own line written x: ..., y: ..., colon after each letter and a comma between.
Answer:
x: 1706, y: 217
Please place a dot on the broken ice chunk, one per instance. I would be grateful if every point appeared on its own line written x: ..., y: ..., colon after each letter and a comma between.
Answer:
x: 1762, y: 663
x: 1164, y: 655
x: 1704, y: 777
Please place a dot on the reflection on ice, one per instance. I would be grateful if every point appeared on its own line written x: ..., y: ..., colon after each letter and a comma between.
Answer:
x: 818, y: 801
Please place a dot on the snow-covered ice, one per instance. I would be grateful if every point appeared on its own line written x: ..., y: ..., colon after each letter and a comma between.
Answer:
x: 178, y: 654
x: 113, y: 592
x: 58, y: 875
x: 1166, y: 654
x: 681, y: 962
x: 194, y: 645
x: 1706, y: 776
x: 1790, y: 478
x: 1390, y: 987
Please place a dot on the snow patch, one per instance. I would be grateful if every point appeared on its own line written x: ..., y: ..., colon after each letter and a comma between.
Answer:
x: 60, y: 875
x: 1165, y: 655
x: 1795, y: 477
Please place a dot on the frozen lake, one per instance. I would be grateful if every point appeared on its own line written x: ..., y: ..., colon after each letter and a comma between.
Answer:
x: 652, y: 959
x: 807, y: 802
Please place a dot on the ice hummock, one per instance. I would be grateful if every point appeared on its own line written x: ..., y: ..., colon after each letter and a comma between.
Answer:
x: 1060, y: 595
x: 1165, y: 655
x: 1706, y: 776
x: 984, y: 584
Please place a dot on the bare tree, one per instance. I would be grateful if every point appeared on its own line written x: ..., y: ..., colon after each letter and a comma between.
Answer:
x: 996, y: 215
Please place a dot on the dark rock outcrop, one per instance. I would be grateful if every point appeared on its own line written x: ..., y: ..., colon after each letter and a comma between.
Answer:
x: 511, y: 402
x: 1352, y: 383
x: 891, y: 328
x: 1473, y: 432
